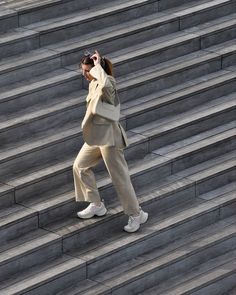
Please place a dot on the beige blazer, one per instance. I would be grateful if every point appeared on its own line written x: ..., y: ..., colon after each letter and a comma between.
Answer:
x: 96, y: 129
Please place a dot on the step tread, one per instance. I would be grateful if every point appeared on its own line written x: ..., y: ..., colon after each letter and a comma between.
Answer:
x: 218, y: 268
x: 163, y: 69
x: 156, y: 259
x: 187, y: 117
x: 42, y: 204
x: 23, y: 5
x: 200, y: 144
x: 97, y: 11
x: 192, y: 242
x: 211, y: 26
x: 52, y: 270
x: 202, y: 275
x: 65, y: 227
x: 166, y: 96
x: 43, y: 112
x: 36, y: 83
x: 225, y: 48
x: 17, y: 34
x: 152, y: 228
x: 128, y: 27
x: 163, y: 126
x: 14, y: 214
x: 221, y: 130
x: 26, y: 243
x: 205, y: 5
x: 25, y: 59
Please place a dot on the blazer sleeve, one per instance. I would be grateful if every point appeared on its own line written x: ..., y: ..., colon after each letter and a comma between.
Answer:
x: 106, y: 83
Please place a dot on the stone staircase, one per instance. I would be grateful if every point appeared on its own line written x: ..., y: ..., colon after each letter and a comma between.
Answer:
x: 175, y: 65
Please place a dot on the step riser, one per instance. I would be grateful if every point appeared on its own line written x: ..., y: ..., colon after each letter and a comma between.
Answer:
x: 60, y: 282
x: 42, y: 96
x: 55, y: 10
x: 219, y: 180
x: 181, y: 195
x: 222, y: 286
x: 157, y: 57
x: 172, y: 79
x: 25, y: 262
x: 184, y: 103
x: 59, y: 213
x: 18, y: 228
x: 7, y: 199
x: 39, y: 126
x: 50, y: 185
x: 159, y: 240
x: 206, y: 15
x: 138, y: 180
x: 163, y: 4
x: 218, y: 37
x: 80, y: 240
x: 125, y: 40
x: 27, y: 72
x: 9, y: 21
x: 71, y: 207
x: 19, y: 46
x: 207, y: 153
x: 229, y: 60
x: 42, y: 157
x: 175, y: 51
x: 61, y: 34
x: 159, y: 275
x: 193, y: 128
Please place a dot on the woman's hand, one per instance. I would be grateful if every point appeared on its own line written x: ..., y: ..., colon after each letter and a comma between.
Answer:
x: 96, y: 57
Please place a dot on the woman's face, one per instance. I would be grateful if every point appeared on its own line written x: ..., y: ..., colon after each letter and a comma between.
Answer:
x: 85, y: 72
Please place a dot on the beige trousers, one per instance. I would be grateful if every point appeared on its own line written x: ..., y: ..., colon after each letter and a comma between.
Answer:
x: 84, y: 179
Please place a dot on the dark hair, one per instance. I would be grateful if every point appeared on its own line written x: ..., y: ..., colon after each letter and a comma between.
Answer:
x: 105, y: 63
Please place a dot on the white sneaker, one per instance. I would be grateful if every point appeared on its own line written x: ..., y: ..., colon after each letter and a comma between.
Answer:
x: 135, y: 221
x: 92, y: 210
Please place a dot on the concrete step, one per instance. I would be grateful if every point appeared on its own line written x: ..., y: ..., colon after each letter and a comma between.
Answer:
x: 7, y: 197
x: 96, y: 17
x: 176, y: 99
x: 163, y: 48
x: 47, y: 279
x: 207, y: 175
x: 57, y: 207
x: 60, y: 174
x: 8, y: 18
x: 132, y: 33
x: 170, y: 20
x: 30, y: 11
x: 138, y: 274
x: 133, y: 251
x: 43, y: 90
x: 53, y: 147
x: 66, y: 27
x: 202, y: 212
x: 168, y: 74
x: 216, y: 276
x: 28, y: 250
x: 192, y: 151
x: 191, y: 122
x: 15, y: 221
x: 19, y: 91
x: 170, y: 46
x: 171, y: 73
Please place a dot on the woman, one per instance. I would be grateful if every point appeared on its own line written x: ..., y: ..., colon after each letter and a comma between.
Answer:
x: 104, y: 139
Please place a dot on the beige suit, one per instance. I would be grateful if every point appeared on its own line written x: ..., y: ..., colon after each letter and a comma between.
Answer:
x: 104, y: 139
